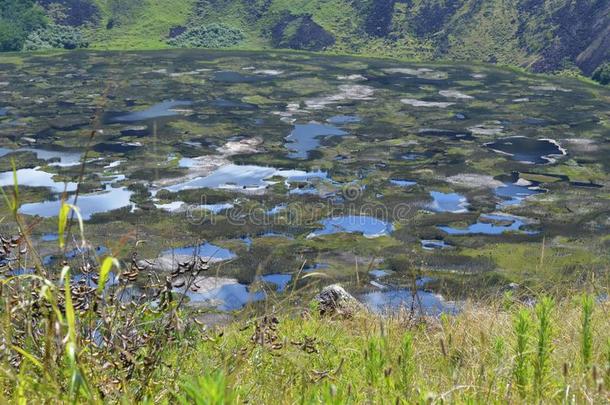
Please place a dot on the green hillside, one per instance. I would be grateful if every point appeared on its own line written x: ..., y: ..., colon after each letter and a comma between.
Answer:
x: 542, y: 35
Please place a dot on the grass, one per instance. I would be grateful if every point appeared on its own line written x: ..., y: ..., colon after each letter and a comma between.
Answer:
x: 306, y: 359
x: 148, y: 29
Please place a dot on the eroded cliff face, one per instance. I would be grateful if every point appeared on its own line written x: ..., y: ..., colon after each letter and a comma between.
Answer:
x: 543, y: 35
x: 581, y: 32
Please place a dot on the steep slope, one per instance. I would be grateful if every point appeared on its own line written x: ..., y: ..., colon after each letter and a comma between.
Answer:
x: 543, y: 35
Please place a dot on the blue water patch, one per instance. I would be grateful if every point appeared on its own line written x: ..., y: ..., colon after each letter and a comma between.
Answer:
x: 514, y: 194
x: 280, y: 280
x: 36, y: 178
x: 432, y: 244
x: 369, y: 227
x: 389, y: 301
x: 306, y: 137
x: 343, y: 119
x: 277, y: 209
x: 186, y: 163
x: 227, y: 297
x: 205, y: 250
x: 527, y: 150
x: 163, y: 109
x: 88, y: 204
x: 247, y: 177
x: 490, y: 224
x: 403, y: 183
x: 379, y: 273
x: 448, y: 202
x: 49, y: 237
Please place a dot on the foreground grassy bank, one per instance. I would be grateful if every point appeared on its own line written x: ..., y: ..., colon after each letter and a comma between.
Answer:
x: 507, y: 352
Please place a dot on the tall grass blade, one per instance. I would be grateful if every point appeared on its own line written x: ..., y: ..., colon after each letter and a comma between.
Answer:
x: 522, y: 325
x: 62, y: 223
x: 77, y: 382
x: 544, y: 347
x: 586, y: 342
x: 64, y: 211
x: 107, y: 265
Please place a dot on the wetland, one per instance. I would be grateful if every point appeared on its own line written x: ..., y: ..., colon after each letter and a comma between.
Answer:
x: 285, y: 170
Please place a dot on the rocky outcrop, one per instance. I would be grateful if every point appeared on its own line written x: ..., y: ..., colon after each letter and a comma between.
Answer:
x: 300, y: 32
x: 334, y: 300
x: 581, y: 36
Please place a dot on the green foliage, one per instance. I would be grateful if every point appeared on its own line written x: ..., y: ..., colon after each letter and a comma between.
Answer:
x: 375, y: 360
x: 407, y: 363
x: 544, y: 344
x: 17, y: 19
x: 123, y: 12
x: 602, y: 74
x: 586, y: 349
x: 208, y: 36
x: 56, y: 37
x: 522, y: 325
x: 72, y: 12
x: 207, y: 390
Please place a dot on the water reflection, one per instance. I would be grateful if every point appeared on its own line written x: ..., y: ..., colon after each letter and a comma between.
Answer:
x: 369, y: 227
x: 306, y: 137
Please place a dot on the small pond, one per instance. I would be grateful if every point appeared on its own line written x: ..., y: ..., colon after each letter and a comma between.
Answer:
x: 448, y: 202
x: 490, y: 224
x: 163, y: 109
x: 392, y: 300
x: 528, y: 150
x: 369, y: 227
x: 246, y: 177
x: 89, y: 204
x: 306, y: 137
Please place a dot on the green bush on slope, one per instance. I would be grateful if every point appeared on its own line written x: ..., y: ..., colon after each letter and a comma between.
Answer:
x: 208, y: 36
x: 602, y: 74
x: 56, y: 37
x: 17, y: 19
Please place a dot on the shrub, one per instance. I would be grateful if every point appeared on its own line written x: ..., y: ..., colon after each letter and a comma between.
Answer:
x: 586, y: 349
x: 17, y: 19
x: 522, y: 326
x: 602, y: 74
x: 56, y: 36
x: 208, y: 36
x: 544, y: 345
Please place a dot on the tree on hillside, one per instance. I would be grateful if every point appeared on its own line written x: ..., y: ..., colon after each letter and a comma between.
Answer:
x: 17, y: 19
